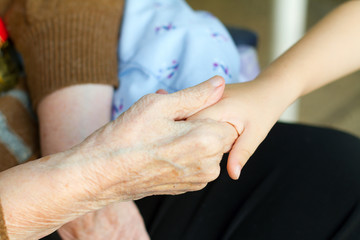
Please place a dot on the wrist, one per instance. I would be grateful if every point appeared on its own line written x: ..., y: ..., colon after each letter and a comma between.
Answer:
x: 282, y: 90
x: 57, y: 188
x: 43, y: 198
x: 101, y: 168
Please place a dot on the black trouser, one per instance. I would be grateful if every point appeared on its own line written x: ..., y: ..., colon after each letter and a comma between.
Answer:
x: 302, y: 183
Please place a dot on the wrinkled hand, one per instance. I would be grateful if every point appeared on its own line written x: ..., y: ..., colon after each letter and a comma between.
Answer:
x: 116, y: 221
x: 252, y: 109
x: 150, y: 149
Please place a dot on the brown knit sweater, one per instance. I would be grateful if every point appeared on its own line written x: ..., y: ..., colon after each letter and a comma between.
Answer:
x: 62, y: 42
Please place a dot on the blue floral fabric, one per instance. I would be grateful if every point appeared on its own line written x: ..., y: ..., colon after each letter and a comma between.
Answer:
x: 164, y: 44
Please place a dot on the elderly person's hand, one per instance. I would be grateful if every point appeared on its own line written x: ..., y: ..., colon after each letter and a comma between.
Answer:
x: 148, y: 150
x: 160, y: 153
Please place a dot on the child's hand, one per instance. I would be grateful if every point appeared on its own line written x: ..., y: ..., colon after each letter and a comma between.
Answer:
x: 252, y: 108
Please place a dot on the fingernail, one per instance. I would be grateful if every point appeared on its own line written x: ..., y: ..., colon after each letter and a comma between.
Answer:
x: 161, y: 91
x: 237, y: 171
x: 216, y: 81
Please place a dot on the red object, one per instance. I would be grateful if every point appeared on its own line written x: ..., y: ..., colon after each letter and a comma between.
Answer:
x: 3, y: 33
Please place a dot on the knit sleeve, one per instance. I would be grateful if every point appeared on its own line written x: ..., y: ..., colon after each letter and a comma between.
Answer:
x: 3, y: 232
x: 3, y: 6
x: 66, y: 42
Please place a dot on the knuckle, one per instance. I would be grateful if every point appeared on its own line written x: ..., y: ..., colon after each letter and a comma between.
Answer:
x: 203, y: 142
x: 207, y: 143
x: 150, y: 99
x: 208, y: 173
x: 214, y: 144
x: 152, y: 102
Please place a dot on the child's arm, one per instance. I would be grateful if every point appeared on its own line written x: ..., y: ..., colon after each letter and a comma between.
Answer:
x: 327, y: 52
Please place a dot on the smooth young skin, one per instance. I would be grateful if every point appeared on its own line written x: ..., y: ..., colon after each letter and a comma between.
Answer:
x: 327, y: 52
x: 148, y: 150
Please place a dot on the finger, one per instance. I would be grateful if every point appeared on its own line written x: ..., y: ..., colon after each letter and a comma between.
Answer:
x: 208, y: 113
x: 162, y: 91
x: 230, y: 135
x: 185, y: 103
x: 241, y: 151
x: 202, y: 139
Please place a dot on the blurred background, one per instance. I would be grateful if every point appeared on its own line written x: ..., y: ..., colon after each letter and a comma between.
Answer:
x: 278, y: 23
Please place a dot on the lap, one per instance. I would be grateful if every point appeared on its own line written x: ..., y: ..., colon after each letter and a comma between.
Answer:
x: 302, y: 183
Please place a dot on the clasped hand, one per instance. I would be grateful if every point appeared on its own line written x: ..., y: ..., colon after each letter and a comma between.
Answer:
x: 153, y: 151
x: 150, y: 149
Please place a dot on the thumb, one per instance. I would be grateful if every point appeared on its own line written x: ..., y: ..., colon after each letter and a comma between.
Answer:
x: 189, y: 101
x: 242, y: 150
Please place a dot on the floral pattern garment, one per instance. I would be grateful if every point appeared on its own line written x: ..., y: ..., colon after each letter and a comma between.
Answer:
x: 167, y: 45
